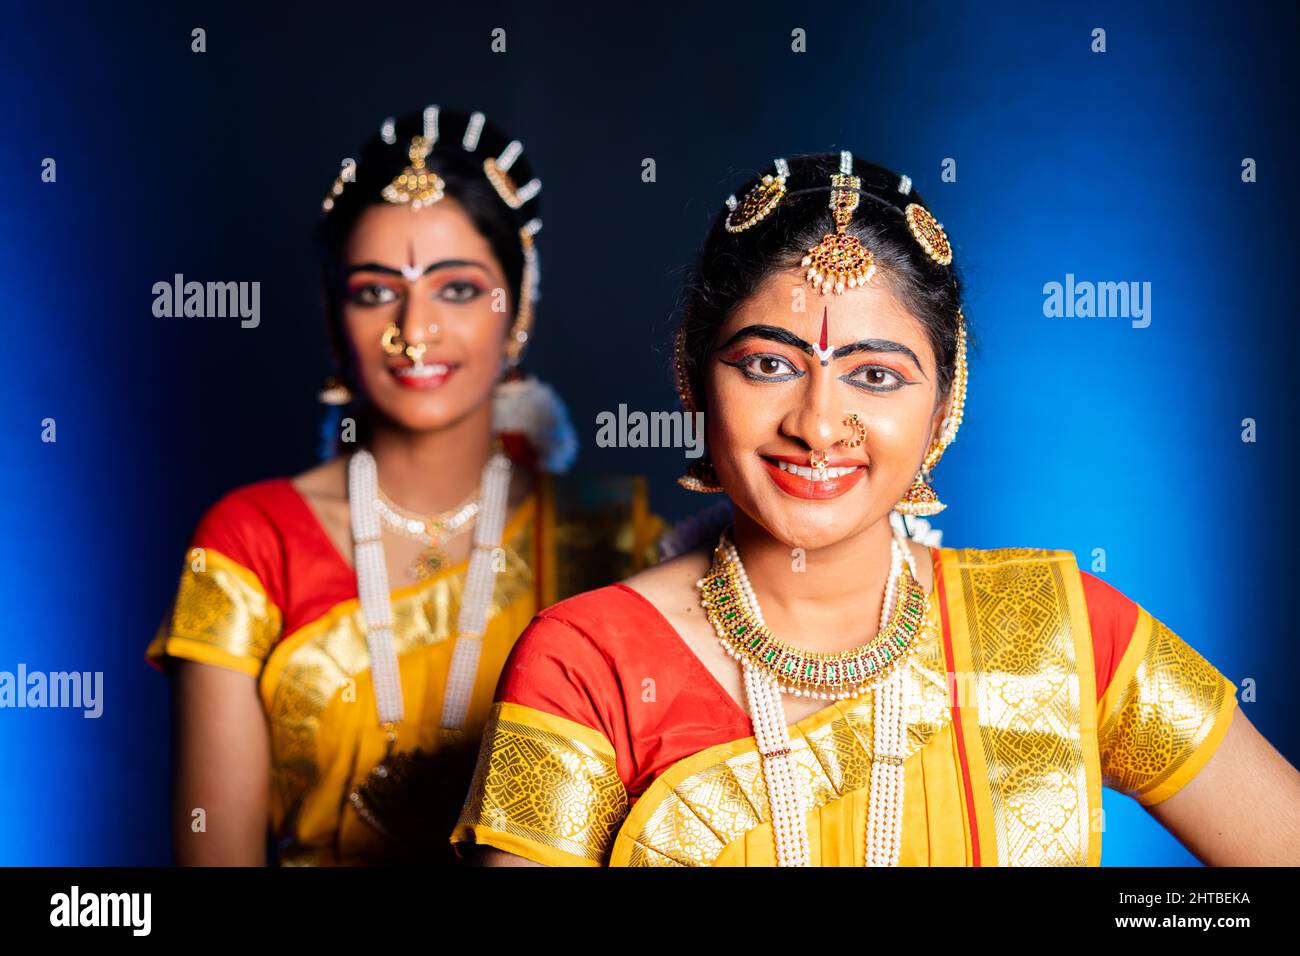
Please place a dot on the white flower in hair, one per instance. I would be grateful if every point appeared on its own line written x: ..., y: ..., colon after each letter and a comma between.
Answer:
x: 532, y: 408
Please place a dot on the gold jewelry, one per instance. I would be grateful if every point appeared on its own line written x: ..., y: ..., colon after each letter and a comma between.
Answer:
x: 416, y: 184
x: 920, y: 498
x: 528, y: 295
x: 810, y: 672
x: 840, y: 261
x: 389, y: 341
x: 759, y: 201
x: 497, y: 172
x: 433, y: 530
x: 700, y: 477
x: 819, y: 461
x: 394, y: 345
x: 859, y: 431
x: 334, y: 393
x: 928, y: 231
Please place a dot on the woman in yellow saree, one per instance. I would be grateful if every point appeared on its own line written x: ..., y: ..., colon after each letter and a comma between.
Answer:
x: 821, y: 684
x: 336, y: 637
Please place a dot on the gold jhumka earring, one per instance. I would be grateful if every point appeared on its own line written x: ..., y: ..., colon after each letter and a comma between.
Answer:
x: 700, y: 475
x: 921, y: 499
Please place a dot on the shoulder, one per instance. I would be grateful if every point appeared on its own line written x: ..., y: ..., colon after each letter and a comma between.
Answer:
x: 245, y: 514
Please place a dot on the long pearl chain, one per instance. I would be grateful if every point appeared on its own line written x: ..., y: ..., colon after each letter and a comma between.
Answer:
x: 786, y: 797
x: 372, y: 589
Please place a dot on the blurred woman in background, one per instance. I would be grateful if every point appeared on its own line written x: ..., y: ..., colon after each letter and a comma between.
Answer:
x: 337, y: 636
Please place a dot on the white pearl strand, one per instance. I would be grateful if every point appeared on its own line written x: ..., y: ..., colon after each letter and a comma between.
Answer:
x: 889, y: 737
x: 373, y: 591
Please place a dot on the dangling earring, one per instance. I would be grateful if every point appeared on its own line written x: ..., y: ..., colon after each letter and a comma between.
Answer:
x: 921, y: 499
x: 700, y: 477
x: 334, y: 393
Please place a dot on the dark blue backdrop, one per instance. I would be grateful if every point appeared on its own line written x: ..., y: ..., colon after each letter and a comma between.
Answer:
x: 1080, y: 433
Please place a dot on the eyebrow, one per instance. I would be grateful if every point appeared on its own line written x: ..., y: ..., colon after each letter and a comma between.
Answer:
x: 390, y: 270
x: 775, y: 333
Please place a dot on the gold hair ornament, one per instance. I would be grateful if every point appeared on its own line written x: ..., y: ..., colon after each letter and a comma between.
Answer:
x: 759, y: 201
x: 929, y: 233
x: 416, y: 185
x: 840, y: 261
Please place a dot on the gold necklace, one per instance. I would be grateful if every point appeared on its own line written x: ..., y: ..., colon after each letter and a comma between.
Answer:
x: 433, y: 530
x: 728, y: 602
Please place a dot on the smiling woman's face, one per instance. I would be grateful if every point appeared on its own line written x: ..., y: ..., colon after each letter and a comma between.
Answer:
x: 771, y: 401
x: 433, y: 274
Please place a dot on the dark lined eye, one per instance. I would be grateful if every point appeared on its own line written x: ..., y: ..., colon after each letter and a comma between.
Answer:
x: 876, y: 378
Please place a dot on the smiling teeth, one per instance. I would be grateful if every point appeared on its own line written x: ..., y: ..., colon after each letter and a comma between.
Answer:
x: 804, y: 472
x: 422, y: 371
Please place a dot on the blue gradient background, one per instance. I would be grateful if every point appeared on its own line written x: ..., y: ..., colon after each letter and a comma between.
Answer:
x: 1080, y: 433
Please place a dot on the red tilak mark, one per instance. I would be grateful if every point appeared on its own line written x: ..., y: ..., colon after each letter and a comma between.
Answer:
x: 822, y: 342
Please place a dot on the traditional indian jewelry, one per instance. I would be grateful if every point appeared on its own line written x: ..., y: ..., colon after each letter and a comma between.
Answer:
x: 377, y: 612
x: 433, y: 531
x: 700, y: 476
x: 905, y: 184
x: 529, y: 293
x: 763, y: 689
x: 334, y: 392
x: 392, y: 344
x: 819, y: 461
x: 759, y: 201
x: 859, y: 431
x: 921, y: 498
x: 416, y: 185
x: 808, y: 673
x: 928, y: 233
x: 840, y: 261
x: 497, y: 172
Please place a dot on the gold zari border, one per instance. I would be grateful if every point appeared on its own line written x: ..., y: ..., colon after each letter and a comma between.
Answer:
x: 542, y: 784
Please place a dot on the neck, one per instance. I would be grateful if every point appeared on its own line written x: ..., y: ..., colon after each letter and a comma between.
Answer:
x: 433, y: 471
x: 828, y: 600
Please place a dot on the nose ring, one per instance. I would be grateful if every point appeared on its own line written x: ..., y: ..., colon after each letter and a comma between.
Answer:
x: 859, y: 431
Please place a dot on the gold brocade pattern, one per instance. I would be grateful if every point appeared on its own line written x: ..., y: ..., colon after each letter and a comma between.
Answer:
x: 332, y: 653
x: 1162, y: 715
x: 545, y: 787
x: 1027, y: 696
x: 696, y: 816
x: 222, y: 607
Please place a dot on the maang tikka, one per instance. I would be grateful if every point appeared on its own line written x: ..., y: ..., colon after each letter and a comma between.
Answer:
x: 840, y: 261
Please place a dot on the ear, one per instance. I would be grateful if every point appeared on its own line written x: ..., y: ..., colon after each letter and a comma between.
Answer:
x: 936, y: 420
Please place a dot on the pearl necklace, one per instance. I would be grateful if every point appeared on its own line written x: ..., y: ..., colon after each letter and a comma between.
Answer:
x: 763, y: 691
x: 372, y: 590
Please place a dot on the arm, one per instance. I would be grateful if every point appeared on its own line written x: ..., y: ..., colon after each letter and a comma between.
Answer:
x: 221, y: 764
x: 1242, y: 808
x: 491, y: 856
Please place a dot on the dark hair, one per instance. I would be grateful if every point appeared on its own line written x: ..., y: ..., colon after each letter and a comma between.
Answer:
x: 731, y: 266
x: 462, y: 171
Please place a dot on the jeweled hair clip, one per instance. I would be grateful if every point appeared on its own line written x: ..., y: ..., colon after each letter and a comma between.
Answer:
x: 759, y: 201
x: 928, y: 233
x: 497, y: 172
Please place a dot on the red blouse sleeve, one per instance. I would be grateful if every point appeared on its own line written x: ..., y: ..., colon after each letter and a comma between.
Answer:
x: 229, y: 603
x: 557, y: 669
x: 1112, y: 617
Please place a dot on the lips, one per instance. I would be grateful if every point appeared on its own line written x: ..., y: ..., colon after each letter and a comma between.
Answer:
x: 796, y: 479
x: 426, y: 375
